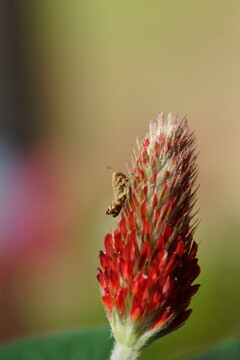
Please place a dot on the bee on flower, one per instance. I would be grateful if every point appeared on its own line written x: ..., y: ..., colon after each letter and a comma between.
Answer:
x: 149, y: 263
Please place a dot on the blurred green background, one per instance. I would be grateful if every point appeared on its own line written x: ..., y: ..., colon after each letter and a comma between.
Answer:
x: 79, y: 81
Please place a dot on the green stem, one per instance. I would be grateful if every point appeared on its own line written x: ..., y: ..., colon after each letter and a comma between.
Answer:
x: 122, y: 352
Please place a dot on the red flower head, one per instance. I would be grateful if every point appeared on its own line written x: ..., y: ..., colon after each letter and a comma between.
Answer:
x: 149, y: 262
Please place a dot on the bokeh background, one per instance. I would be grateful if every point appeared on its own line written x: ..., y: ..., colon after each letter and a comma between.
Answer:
x: 79, y: 81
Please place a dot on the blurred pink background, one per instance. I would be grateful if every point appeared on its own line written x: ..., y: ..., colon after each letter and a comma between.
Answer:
x: 79, y: 81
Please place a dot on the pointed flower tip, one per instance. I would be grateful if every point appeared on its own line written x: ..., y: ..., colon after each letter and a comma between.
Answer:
x: 150, y: 263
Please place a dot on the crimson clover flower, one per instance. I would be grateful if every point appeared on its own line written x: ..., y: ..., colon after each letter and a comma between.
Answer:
x: 149, y: 262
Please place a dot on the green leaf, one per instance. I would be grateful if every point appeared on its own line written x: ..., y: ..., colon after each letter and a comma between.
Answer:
x: 89, y: 344
x: 93, y: 344
x: 227, y: 350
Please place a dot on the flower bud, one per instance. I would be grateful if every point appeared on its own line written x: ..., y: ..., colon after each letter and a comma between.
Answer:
x: 149, y: 262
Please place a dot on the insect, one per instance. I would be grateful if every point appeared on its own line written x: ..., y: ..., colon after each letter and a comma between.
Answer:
x: 119, y: 184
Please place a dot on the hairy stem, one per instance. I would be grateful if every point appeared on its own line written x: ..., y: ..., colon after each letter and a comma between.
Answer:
x: 121, y: 352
